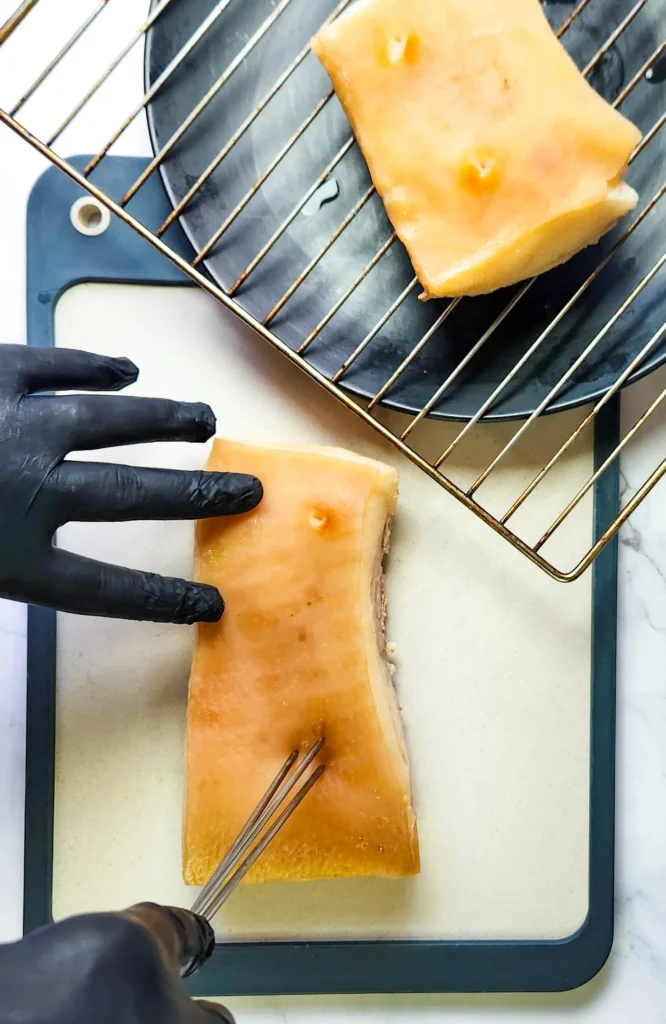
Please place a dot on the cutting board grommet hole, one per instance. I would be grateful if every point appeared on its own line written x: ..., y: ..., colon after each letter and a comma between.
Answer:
x: 89, y: 216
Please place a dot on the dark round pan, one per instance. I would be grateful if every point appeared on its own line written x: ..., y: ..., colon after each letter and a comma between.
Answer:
x: 361, y: 240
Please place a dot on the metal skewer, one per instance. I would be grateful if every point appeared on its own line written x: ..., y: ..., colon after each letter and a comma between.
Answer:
x: 242, y: 854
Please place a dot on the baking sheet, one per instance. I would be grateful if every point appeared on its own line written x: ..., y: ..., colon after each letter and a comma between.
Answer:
x: 493, y: 667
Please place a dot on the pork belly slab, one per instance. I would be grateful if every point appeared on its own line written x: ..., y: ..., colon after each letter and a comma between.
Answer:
x: 495, y: 158
x: 299, y: 653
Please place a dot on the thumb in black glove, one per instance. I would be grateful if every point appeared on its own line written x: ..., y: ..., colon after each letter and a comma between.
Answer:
x: 109, y: 969
x: 40, y: 491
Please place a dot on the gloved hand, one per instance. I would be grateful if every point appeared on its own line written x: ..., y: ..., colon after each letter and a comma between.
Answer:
x: 40, y: 491
x: 109, y: 969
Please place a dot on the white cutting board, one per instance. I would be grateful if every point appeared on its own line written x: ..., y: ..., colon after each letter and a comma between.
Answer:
x: 493, y: 665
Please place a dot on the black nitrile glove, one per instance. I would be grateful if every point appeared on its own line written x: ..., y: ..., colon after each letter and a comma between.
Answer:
x: 109, y: 969
x: 39, y: 491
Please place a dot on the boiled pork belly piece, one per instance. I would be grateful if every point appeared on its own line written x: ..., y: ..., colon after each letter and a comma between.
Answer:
x: 299, y: 653
x: 495, y: 158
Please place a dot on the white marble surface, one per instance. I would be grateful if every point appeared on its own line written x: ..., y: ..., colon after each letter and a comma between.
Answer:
x: 633, y: 984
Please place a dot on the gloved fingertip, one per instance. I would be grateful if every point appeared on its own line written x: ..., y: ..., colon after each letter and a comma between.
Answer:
x: 199, y: 603
x: 224, y: 494
x: 125, y: 371
x: 250, y: 494
x: 199, y: 947
x: 214, y: 607
x: 203, y: 420
x: 208, y: 938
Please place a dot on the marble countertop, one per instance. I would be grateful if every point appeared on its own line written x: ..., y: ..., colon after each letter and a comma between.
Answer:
x: 633, y: 983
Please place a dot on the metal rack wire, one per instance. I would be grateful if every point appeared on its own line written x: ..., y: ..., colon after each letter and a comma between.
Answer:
x: 335, y: 382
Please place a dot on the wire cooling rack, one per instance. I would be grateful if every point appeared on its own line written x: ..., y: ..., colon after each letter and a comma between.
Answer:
x: 649, y: 69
